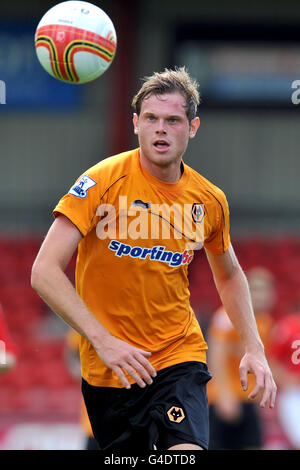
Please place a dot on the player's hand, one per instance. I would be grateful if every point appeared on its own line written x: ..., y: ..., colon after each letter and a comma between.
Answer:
x: 122, y: 357
x: 256, y: 363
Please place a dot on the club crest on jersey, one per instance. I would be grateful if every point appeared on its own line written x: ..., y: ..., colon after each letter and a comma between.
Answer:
x: 197, y: 212
x: 81, y: 187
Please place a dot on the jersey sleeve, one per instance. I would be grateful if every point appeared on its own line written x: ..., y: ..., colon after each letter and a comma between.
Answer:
x: 81, y: 202
x: 218, y: 240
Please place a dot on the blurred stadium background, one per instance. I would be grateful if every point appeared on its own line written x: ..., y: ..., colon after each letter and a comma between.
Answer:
x: 246, y: 56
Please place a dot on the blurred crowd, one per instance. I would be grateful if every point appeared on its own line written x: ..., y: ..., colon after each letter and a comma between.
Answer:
x: 235, y: 421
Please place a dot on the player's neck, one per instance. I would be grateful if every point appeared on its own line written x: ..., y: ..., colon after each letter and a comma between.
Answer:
x: 170, y: 173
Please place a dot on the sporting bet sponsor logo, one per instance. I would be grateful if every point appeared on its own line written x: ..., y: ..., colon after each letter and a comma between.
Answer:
x: 155, y: 253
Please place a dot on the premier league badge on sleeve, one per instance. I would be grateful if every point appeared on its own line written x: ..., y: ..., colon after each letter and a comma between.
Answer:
x: 81, y: 187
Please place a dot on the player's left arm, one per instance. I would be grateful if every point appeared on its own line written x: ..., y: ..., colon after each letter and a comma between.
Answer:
x: 232, y: 286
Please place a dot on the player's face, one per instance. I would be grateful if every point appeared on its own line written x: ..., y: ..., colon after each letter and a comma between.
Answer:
x: 164, y: 129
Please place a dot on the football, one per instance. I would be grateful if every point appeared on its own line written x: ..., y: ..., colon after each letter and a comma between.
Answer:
x: 75, y: 42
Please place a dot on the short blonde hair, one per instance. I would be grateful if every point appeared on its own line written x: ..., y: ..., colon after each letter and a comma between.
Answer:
x: 170, y: 81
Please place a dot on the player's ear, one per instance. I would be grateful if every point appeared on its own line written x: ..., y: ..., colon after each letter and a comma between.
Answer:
x: 135, y: 121
x: 195, y: 123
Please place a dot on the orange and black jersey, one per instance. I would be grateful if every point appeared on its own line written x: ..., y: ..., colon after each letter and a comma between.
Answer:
x: 139, y: 234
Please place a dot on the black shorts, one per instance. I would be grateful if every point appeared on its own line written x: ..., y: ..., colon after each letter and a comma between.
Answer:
x: 244, y: 433
x: 172, y: 410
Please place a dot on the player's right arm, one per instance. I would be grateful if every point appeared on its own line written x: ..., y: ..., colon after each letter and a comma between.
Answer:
x: 48, y: 278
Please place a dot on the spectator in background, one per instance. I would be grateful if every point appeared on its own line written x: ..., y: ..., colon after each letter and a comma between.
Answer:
x: 8, y: 351
x: 234, y: 419
x: 285, y: 363
x: 74, y: 367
